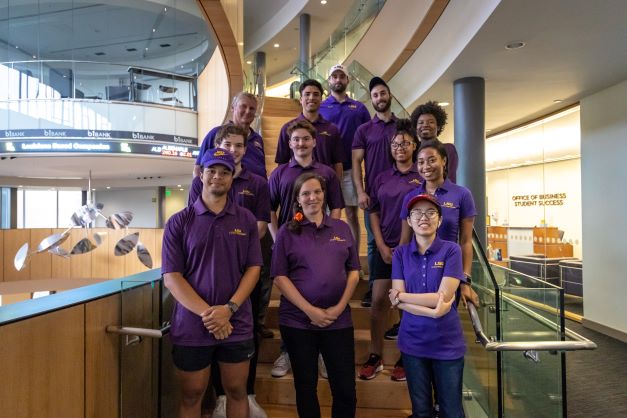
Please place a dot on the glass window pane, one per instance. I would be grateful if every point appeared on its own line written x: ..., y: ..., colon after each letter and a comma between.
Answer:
x: 69, y: 202
x: 40, y: 209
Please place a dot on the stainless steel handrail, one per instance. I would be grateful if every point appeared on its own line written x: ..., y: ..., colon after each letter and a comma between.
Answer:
x: 139, y: 332
x: 581, y: 342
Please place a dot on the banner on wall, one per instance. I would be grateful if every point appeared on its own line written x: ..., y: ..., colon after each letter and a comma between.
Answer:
x: 26, y: 134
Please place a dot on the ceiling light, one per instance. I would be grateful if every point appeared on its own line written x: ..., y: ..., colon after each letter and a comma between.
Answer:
x: 34, y: 56
x: 249, y: 62
x: 146, y: 49
x: 275, y: 45
x: 108, y: 187
x: 178, y: 185
x: 515, y: 45
x: 443, y: 104
x: 93, y: 190
x: 182, y: 190
x: 557, y: 101
x: 154, y: 30
x: 323, y: 1
x: 240, y: 43
x: 488, y: 130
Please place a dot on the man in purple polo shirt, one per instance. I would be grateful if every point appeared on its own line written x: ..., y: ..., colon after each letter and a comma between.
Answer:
x: 429, y: 120
x: 329, y: 150
x: 211, y: 262
x: 302, y: 142
x: 243, y: 108
x: 347, y: 114
x: 372, y: 144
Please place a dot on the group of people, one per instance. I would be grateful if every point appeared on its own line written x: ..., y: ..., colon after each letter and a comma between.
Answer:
x: 241, y: 233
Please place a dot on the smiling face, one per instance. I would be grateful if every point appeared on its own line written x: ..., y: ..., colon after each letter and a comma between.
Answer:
x: 402, y: 148
x: 235, y: 145
x: 381, y: 99
x: 244, y: 111
x: 310, y: 99
x: 431, y: 164
x: 424, y: 219
x: 217, y: 179
x: 311, y: 198
x: 427, y: 126
x: 302, y: 143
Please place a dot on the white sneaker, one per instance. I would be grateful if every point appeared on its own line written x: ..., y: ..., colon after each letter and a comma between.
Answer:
x: 322, y: 368
x: 256, y: 411
x: 281, y: 365
x: 220, y: 409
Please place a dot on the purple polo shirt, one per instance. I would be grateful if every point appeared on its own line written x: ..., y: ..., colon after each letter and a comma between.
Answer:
x: 374, y: 138
x: 389, y: 188
x: 248, y: 190
x: 282, y: 183
x: 254, y: 158
x: 421, y: 336
x: 347, y: 116
x: 452, y: 162
x: 317, y: 262
x: 328, y: 150
x: 457, y: 204
x: 212, y: 252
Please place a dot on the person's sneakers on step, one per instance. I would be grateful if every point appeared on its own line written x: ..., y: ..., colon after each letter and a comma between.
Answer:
x: 255, y: 410
x: 322, y: 368
x: 392, y: 333
x: 371, y: 367
x: 398, y: 374
x: 265, y: 332
x: 367, y: 300
x: 220, y: 409
x: 281, y: 365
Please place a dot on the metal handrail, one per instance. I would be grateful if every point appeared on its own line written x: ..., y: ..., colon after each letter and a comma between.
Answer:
x: 581, y: 342
x: 139, y: 332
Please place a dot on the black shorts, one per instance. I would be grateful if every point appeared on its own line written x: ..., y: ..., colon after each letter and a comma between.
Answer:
x: 380, y: 269
x: 191, y: 359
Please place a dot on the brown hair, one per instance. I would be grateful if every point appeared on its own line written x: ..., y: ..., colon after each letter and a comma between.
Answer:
x: 230, y: 129
x: 293, y: 225
x: 301, y: 124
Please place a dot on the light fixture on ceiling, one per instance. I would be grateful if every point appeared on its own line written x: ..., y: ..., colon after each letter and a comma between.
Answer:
x: 323, y: 1
x: 249, y: 62
x: 558, y: 101
x: 240, y: 43
x: 178, y: 185
x: 488, y: 130
x: 108, y: 187
x: 276, y: 45
x: 154, y: 30
x: 515, y: 45
x: 443, y: 104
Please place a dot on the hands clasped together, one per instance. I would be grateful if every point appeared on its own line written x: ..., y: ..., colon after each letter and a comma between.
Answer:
x: 217, y: 321
x: 324, y: 317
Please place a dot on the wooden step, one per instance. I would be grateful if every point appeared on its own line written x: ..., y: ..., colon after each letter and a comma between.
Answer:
x: 270, y: 348
x: 275, y: 106
x: 288, y: 411
x: 380, y: 392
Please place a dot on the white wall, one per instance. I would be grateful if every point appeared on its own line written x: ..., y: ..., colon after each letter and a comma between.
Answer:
x: 604, y: 171
x: 551, y: 178
x: 142, y: 202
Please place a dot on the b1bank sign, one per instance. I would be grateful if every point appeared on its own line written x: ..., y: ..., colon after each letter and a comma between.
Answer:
x: 89, y: 134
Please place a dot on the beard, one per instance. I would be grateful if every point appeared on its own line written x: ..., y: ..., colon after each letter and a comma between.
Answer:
x: 338, y: 87
x: 382, y: 106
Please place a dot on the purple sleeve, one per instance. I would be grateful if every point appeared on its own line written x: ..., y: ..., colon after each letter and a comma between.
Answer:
x: 453, y: 263
x: 453, y: 160
x: 338, y: 146
x: 283, y: 151
x: 352, y: 263
x: 253, y: 257
x: 194, y: 191
x: 275, y: 192
x: 467, y: 205
x: 406, y: 199
x: 397, y: 263
x: 279, y: 266
x: 375, y: 205
x: 262, y: 210
x: 172, y: 254
x: 335, y: 200
x: 359, y: 141
x: 207, y: 143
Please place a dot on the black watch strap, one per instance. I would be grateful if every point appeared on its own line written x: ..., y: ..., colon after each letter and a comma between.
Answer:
x: 233, y: 307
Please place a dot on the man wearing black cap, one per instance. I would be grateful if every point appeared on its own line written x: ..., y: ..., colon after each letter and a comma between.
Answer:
x: 372, y: 144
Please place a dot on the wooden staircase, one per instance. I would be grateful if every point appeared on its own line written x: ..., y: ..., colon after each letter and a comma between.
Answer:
x: 276, y: 112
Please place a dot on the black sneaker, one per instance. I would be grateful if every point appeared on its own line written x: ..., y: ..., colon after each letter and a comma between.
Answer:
x: 392, y: 333
x: 367, y: 300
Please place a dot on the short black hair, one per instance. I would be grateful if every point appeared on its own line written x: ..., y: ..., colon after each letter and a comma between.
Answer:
x: 430, y: 108
x: 311, y: 82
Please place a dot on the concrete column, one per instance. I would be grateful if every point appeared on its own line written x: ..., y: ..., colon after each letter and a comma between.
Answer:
x: 305, y: 42
x: 260, y: 73
x: 161, y: 207
x: 469, y: 98
x: 12, y: 204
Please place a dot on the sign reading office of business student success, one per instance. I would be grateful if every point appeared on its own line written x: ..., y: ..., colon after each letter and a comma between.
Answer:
x: 548, y: 199
x: 92, y: 141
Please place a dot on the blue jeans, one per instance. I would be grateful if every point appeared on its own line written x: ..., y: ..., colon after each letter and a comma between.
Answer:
x: 447, y: 376
x: 372, y: 246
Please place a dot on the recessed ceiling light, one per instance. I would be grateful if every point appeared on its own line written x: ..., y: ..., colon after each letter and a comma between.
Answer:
x: 34, y: 56
x: 249, y: 62
x: 488, y: 130
x: 275, y: 45
x: 19, y: 185
x: 515, y: 45
x: 443, y: 104
x: 240, y: 43
x: 154, y: 30
x: 108, y: 187
x: 557, y: 101
x: 93, y: 190
x: 182, y: 189
x: 323, y: 1
x: 146, y: 49
x: 178, y: 185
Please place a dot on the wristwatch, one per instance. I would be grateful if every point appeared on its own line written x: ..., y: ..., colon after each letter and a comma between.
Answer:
x: 468, y: 279
x: 233, y: 307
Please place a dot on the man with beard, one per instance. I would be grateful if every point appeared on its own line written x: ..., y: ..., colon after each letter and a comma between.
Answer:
x: 372, y: 145
x: 347, y: 114
x: 243, y: 109
x: 429, y: 120
x: 328, y: 150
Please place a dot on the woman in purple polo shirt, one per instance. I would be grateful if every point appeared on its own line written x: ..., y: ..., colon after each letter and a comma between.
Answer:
x: 316, y: 267
x: 388, y: 190
x: 426, y: 273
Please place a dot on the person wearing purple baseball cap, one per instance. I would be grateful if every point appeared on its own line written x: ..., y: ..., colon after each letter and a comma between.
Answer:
x: 426, y: 273
x: 211, y: 263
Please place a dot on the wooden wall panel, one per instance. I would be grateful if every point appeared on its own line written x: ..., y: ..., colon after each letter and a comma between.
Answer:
x: 60, y: 267
x: 13, y: 240
x: 80, y: 265
x: 102, y: 358
x: 116, y: 264
x: 100, y: 256
x: 43, y: 366
x: 1, y: 254
x: 40, y: 264
x: 133, y: 265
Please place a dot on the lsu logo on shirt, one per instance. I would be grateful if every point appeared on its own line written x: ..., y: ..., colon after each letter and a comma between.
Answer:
x: 438, y: 265
x: 415, y: 181
x: 449, y: 205
x: 337, y: 239
x: 238, y: 232
x: 247, y: 192
x: 352, y: 106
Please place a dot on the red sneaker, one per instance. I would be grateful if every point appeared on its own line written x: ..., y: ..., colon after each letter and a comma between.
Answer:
x: 398, y: 374
x: 371, y: 367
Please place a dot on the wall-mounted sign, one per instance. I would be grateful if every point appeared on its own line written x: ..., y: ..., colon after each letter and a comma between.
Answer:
x: 9, y: 134
x: 97, y: 147
x: 550, y: 199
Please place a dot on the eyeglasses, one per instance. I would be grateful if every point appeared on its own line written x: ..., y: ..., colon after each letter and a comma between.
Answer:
x: 404, y: 144
x: 417, y: 215
x: 301, y: 139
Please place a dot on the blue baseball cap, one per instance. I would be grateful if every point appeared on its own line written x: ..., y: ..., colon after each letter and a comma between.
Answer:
x: 215, y: 156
